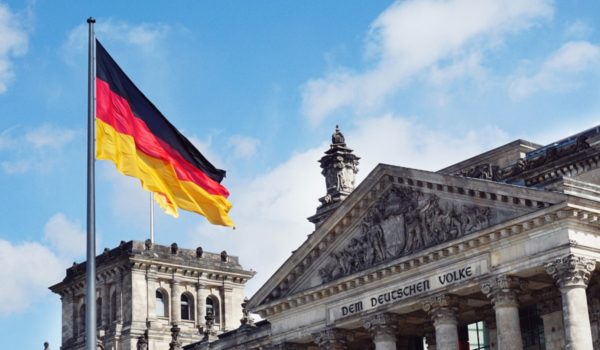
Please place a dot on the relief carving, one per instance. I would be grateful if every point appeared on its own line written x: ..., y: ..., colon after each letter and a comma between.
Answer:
x: 402, y: 222
x: 482, y: 171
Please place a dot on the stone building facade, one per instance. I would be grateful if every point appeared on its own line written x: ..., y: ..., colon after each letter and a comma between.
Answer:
x: 500, y: 251
x: 142, y: 289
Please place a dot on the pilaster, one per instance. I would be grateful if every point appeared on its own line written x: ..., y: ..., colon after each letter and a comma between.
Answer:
x: 175, y: 302
x: 572, y: 274
x: 68, y: 317
x: 105, y: 310
x: 200, y: 304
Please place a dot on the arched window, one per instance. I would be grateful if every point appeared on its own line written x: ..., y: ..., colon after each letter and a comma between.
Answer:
x: 81, y: 320
x: 99, y: 311
x: 212, y: 307
x: 113, y: 306
x: 187, y: 306
x: 161, y: 304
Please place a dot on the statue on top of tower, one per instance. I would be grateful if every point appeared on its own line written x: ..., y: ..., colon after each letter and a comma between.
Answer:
x: 339, y: 167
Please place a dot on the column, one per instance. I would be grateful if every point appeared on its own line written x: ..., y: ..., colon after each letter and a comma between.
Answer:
x: 572, y: 274
x: 442, y: 309
x: 383, y: 328
x: 502, y: 290
x: 200, y: 304
x: 333, y: 339
x: 175, y: 306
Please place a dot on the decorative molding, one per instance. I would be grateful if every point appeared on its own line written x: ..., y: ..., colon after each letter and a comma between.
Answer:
x: 333, y: 338
x: 484, y: 171
x: 571, y: 271
x: 503, y: 290
x: 382, y: 324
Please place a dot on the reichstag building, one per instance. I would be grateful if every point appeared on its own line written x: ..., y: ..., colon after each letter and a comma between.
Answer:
x: 499, y: 251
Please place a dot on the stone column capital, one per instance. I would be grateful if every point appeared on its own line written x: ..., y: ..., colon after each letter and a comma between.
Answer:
x: 333, y: 338
x: 571, y: 271
x: 502, y: 290
x: 442, y: 309
x: 440, y: 301
x: 382, y: 325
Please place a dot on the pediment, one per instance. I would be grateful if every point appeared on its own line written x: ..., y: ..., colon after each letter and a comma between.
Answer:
x: 396, y: 212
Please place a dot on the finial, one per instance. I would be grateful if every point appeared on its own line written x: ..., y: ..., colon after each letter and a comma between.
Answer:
x: 337, y: 138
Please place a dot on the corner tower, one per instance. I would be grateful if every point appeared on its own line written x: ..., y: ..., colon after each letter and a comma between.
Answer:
x: 149, y: 296
x: 339, y: 167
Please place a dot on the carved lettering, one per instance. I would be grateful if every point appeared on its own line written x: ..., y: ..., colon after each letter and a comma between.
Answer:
x: 352, y: 308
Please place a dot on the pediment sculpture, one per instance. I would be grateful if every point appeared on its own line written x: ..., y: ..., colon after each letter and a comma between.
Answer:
x: 402, y: 222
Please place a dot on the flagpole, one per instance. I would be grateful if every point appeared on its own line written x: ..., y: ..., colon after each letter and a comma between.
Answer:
x: 151, y: 217
x: 90, y: 278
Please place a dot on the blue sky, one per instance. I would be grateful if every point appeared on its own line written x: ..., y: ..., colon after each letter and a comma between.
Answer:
x: 259, y: 87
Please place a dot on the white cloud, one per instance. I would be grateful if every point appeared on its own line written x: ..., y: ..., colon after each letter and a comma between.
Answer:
x: 38, y: 149
x: 13, y: 43
x: 559, y: 71
x: 65, y: 236
x: 28, y: 269
x: 145, y: 36
x: 578, y: 29
x: 243, y: 146
x: 411, y: 36
x: 49, y: 136
x: 270, y: 210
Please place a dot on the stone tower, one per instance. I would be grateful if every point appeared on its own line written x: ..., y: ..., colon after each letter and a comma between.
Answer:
x: 339, y: 167
x: 149, y: 294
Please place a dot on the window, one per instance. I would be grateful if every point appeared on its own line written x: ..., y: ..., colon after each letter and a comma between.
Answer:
x: 99, y: 311
x: 187, y: 309
x: 81, y: 320
x: 478, y: 336
x: 161, y: 304
x: 212, y: 307
x: 113, y: 306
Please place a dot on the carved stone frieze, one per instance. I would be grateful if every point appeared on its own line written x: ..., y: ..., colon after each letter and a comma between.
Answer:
x: 481, y: 171
x: 401, y: 222
x: 571, y: 271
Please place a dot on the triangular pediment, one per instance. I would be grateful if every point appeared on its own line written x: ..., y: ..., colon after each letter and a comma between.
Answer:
x: 397, y: 212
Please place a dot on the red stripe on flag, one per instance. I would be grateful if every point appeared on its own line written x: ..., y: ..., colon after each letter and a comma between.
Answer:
x: 114, y: 110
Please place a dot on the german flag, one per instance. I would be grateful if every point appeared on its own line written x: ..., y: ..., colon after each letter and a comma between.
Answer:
x: 133, y: 133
